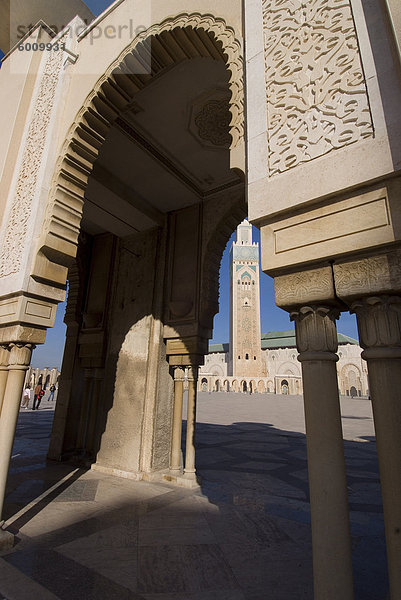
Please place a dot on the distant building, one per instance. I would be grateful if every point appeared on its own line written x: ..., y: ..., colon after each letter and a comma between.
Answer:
x: 49, y: 376
x: 258, y: 363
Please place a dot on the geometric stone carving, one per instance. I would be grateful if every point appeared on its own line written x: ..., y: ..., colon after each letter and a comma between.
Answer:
x: 213, y: 122
x: 367, y: 276
x: 304, y: 287
x: 315, y: 88
x: 21, y: 208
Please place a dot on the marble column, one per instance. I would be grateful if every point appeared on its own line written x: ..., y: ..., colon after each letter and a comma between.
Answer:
x: 317, y: 343
x: 189, y: 470
x: 379, y: 326
x: 4, y: 360
x: 19, y: 359
x: 175, y: 462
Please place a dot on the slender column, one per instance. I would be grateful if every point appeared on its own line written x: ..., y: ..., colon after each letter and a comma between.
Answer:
x: 4, y: 360
x: 317, y: 343
x: 20, y: 357
x: 175, y: 463
x: 379, y: 325
x: 191, y: 423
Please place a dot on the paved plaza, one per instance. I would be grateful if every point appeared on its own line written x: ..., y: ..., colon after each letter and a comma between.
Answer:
x: 245, y: 535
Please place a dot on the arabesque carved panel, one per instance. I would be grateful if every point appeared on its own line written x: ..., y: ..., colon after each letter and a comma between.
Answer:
x: 316, y: 94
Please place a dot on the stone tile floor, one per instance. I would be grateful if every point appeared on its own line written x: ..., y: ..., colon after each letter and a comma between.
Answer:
x: 244, y: 536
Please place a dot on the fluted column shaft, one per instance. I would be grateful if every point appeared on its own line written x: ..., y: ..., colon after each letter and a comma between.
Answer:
x: 19, y: 359
x: 4, y: 360
x: 317, y: 344
x: 175, y: 462
x: 191, y: 423
x: 379, y: 325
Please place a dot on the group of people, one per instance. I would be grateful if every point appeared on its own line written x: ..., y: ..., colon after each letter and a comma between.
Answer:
x: 38, y: 393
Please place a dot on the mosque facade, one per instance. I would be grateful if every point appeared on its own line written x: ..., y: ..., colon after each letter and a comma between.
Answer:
x: 266, y: 363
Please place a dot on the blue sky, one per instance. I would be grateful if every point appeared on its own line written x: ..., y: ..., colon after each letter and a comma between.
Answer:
x: 272, y: 318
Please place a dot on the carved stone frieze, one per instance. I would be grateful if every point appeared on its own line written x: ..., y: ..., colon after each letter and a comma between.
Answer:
x: 315, y: 328
x: 296, y: 289
x: 373, y: 275
x: 379, y: 323
x: 32, y: 159
x: 315, y: 87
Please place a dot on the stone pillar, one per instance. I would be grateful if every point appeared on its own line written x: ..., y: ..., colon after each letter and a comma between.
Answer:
x: 189, y: 470
x: 19, y: 359
x: 4, y: 360
x: 379, y: 325
x: 317, y: 344
x: 85, y: 411
x: 175, y: 463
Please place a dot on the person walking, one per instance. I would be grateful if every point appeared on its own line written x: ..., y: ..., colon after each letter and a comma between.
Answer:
x: 26, y: 397
x: 52, y: 390
x: 37, y: 394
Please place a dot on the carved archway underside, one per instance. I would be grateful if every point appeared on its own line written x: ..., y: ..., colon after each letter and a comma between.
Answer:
x: 156, y: 49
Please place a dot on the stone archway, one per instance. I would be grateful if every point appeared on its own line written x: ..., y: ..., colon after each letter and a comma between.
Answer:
x: 156, y: 323
x: 202, y: 36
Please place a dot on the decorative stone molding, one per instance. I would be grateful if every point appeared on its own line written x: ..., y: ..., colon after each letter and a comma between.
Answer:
x: 316, y: 334
x: 315, y: 87
x: 20, y: 356
x: 379, y: 274
x: 312, y: 286
x: 205, y: 36
x: 28, y: 177
x: 379, y: 326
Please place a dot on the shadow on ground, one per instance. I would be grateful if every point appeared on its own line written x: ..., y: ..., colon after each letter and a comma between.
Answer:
x: 244, y: 536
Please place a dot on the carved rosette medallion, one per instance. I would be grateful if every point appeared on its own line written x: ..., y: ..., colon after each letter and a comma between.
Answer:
x: 316, y: 333
x: 379, y: 325
x: 213, y: 123
x: 316, y: 93
x: 21, y: 208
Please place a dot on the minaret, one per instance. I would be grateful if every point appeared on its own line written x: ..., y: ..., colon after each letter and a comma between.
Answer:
x: 245, y: 355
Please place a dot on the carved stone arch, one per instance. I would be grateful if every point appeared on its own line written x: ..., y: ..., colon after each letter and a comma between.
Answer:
x: 349, y: 367
x: 172, y: 41
x: 221, y: 222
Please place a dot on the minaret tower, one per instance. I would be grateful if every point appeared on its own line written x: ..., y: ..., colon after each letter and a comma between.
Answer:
x: 245, y: 356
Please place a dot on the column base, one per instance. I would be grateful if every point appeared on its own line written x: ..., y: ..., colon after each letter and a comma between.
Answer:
x: 6, y: 540
x: 186, y: 480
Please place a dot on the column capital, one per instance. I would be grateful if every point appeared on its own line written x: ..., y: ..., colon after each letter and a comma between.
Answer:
x: 4, y: 356
x: 316, y: 332
x: 179, y: 373
x: 193, y: 373
x: 20, y: 356
x: 379, y: 325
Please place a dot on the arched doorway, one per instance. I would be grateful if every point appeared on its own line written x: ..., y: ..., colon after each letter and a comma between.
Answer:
x: 142, y: 162
x: 204, y: 385
x: 284, y: 387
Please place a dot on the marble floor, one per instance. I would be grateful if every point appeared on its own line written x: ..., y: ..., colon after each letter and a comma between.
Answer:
x: 244, y: 535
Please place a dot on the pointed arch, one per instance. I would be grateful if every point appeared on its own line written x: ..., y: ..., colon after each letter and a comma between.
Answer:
x: 159, y: 47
